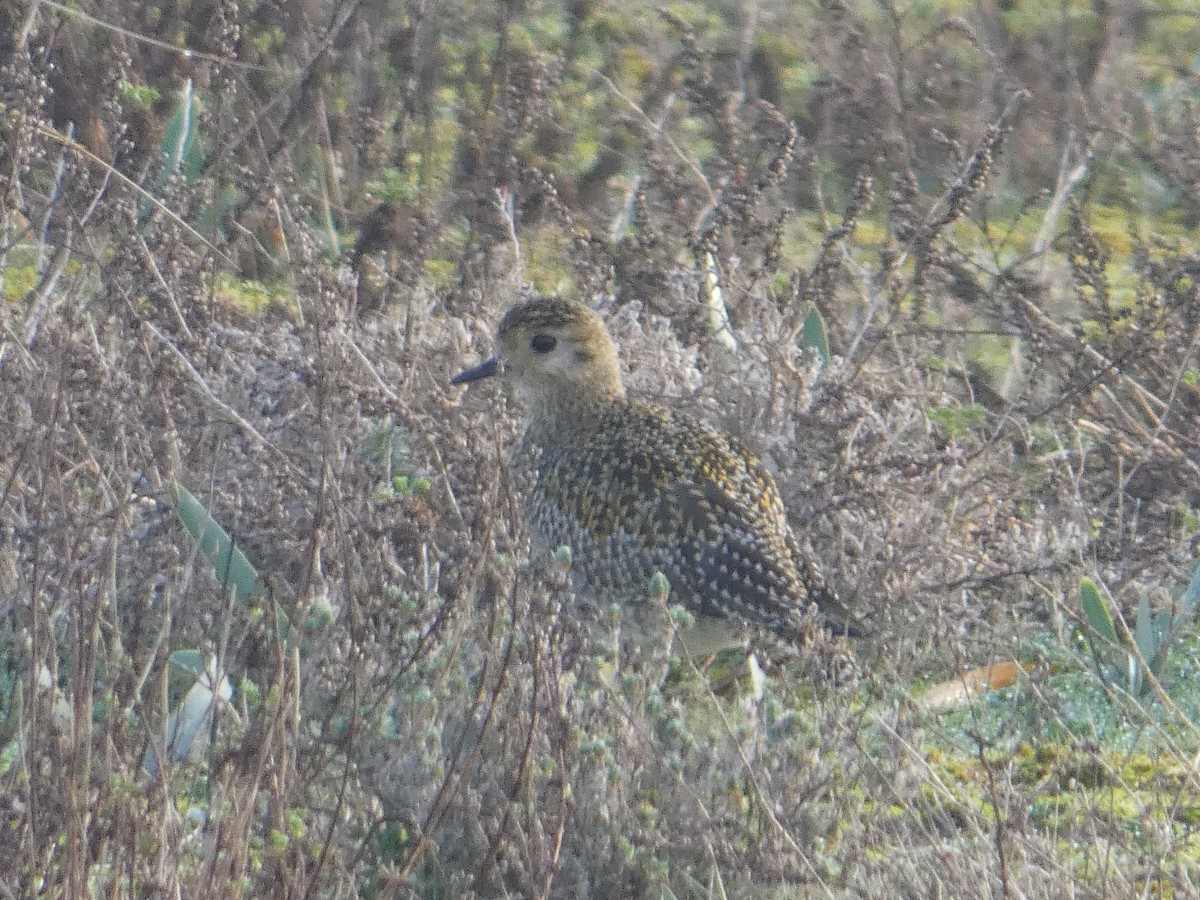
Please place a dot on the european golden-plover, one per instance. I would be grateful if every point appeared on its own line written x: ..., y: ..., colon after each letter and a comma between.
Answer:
x: 634, y: 488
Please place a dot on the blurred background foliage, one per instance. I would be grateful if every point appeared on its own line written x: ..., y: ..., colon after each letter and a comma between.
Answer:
x: 434, y: 107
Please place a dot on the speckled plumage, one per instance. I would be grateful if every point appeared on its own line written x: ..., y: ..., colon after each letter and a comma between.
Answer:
x: 635, y: 488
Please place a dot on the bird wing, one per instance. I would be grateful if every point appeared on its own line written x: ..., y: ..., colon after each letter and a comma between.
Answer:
x: 661, y: 491
x: 731, y: 554
x: 758, y: 561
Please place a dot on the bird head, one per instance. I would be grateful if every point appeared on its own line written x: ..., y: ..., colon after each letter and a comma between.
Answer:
x: 553, y: 350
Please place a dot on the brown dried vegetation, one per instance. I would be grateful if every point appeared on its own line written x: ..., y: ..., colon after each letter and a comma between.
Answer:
x: 1012, y: 403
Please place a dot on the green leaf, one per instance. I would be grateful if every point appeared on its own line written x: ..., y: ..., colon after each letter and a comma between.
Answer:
x: 1134, y: 673
x: 16, y: 711
x: 1190, y: 598
x: 229, y: 564
x: 191, y: 662
x: 177, y: 139
x: 1143, y: 629
x: 1147, y: 644
x: 1163, y: 636
x: 1095, y: 611
x: 188, y: 720
x: 814, y: 335
x: 660, y: 587
x: 177, y: 150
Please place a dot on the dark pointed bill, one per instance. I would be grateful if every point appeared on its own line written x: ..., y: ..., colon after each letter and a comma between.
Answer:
x: 483, y: 370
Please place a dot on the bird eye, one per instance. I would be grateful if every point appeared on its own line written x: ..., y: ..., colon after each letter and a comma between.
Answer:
x: 543, y: 343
